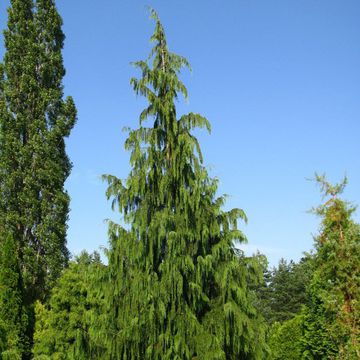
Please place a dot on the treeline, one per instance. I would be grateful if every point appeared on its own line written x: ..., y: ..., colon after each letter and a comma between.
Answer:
x: 174, y: 286
x: 306, y: 310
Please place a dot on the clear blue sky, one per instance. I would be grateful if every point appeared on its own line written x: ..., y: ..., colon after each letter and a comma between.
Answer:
x: 279, y: 81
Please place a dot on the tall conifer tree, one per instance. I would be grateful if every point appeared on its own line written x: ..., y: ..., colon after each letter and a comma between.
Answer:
x: 34, y: 120
x: 332, y: 317
x: 177, y: 286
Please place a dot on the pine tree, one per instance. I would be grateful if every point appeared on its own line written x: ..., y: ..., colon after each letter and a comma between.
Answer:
x: 34, y: 120
x: 177, y: 288
x: 332, y: 318
x: 288, y: 288
x: 282, y: 294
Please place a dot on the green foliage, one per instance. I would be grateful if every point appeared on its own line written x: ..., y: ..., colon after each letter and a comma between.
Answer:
x: 261, y: 288
x: 288, y: 288
x: 317, y: 342
x: 283, y: 292
x: 177, y: 289
x: 64, y: 326
x: 332, y: 319
x: 12, y: 354
x: 10, y: 298
x: 34, y: 120
x: 285, y: 339
x: 2, y: 337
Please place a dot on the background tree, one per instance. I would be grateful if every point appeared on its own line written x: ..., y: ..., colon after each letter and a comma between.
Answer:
x: 34, y: 120
x: 288, y: 288
x: 177, y: 288
x: 261, y: 286
x: 282, y: 294
x: 280, y: 297
x: 332, y: 318
x: 66, y: 325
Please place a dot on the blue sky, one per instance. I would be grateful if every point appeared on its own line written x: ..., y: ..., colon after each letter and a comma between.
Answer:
x: 279, y: 81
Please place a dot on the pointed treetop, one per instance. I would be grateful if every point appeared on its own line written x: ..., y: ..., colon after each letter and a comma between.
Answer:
x: 329, y: 189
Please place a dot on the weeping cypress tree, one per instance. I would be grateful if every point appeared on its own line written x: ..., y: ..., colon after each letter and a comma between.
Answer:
x: 34, y: 120
x: 178, y: 289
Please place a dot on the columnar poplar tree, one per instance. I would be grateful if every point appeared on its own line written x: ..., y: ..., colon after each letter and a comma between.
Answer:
x: 177, y: 286
x: 332, y: 318
x: 34, y: 121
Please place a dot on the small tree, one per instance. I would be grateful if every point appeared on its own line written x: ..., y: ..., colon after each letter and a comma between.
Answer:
x: 177, y: 287
x: 285, y: 339
x: 64, y: 326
